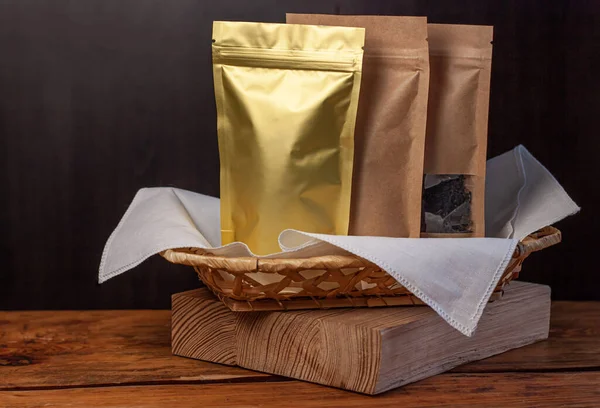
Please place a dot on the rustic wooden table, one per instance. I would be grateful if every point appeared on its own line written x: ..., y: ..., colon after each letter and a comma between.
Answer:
x: 123, y: 359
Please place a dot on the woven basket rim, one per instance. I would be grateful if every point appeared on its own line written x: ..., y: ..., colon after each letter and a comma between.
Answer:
x: 536, y: 241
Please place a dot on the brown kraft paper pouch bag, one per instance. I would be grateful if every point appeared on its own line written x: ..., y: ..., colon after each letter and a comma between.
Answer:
x: 460, y: 58
x: 286, y: 99
x: 390, y: 127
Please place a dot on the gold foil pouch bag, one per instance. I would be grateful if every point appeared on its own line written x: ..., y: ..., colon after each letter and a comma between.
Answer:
x: 286, y: 100
x: 390, y: 128
x: 460, y: 58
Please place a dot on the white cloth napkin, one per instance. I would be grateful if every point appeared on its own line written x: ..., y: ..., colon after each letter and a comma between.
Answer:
x: 522, y: 196
x: 455, y: 276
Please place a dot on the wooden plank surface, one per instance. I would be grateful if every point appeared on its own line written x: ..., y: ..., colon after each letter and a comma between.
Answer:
x: 449, y: 390
x: 122, y: 358
x: 63, y: 349
x: 360, y: 349
x: 45, y: 349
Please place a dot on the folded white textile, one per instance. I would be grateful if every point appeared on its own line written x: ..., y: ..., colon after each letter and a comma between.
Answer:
x: 455, y: 276
x: 522, y: 196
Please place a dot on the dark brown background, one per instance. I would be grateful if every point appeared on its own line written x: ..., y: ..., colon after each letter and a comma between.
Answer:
x: 99, y: 98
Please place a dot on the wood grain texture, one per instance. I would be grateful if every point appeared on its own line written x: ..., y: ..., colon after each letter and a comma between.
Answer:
x: 218, y: 330
x: 66, y: 349
x: 100, y: 98
x: 447, y: 390
x: 121, y: 359
x: 368, y: 351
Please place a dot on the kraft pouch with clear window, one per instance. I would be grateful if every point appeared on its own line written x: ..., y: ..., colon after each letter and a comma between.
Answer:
x: 286, y: 99
x: 460, y: 58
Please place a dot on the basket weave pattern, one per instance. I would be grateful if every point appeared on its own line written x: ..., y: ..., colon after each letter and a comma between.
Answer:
x: 320, y: 280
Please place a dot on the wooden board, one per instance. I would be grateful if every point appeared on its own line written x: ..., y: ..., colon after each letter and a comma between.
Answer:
x: 368, y: 351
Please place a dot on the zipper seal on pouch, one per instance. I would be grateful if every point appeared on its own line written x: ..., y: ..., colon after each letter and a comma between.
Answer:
x: 295, y: 59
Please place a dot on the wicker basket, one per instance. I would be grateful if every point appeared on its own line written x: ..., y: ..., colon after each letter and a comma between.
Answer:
x: 252, y: 284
